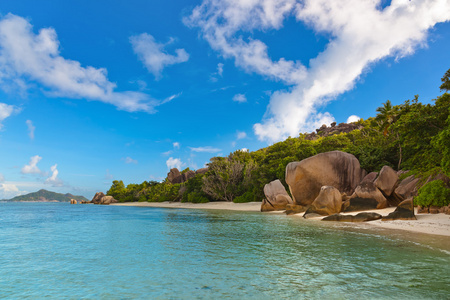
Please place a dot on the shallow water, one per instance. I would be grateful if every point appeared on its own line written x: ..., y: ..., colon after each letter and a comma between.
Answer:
x: 59, y: 250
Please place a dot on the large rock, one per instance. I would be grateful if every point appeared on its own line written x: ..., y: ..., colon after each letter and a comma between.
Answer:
x: 73, y: 201
x: 276, y: 197
x: 338, y: 169
x: 404, y: 211
x: 366, y: 197
x: 188, y: 175
x: 108, y: 200
x: 201, y: 171
x: 292, y: 209
x: 370, y: 177
x: 328, y: 202
x: 387, y: 180
x: 174, y: 176
x: 361, y: 217
x: 97, y: 197
x: 407, y: 188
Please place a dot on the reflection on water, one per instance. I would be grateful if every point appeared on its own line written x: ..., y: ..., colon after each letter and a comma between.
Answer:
x: 85, y: 251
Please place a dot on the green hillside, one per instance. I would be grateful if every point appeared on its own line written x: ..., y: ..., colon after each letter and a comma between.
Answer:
x: 44, y: 196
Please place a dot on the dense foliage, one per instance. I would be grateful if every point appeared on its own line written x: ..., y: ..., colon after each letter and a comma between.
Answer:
x: 434, y: 193
x: 411, y: 136
x: 44, y: 195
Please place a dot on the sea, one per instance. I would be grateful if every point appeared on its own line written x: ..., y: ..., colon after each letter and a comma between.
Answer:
x: 63, y: 251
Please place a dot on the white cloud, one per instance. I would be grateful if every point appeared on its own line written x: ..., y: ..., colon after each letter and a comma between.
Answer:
x: 26, y: 56
x: 167, y: 153
x: 153, y: 55
x: 176, y: 145
x: 220, y: 69
x: 207, y: 149
x: 240, y: 98
x: 53, y: 179
x: 353, y: 118
x: 241, y: 135
x: 6, y: 110
x: 244, y: 150
x: 8, y: 191
x: 360, y: 33
x: 174, y: 163
x: 32, y: 167
x: 2, y: 178
x: 129, y: 160
x: 31, y: 129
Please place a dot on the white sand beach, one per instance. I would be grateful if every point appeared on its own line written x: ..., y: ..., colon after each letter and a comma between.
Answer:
x: 437, y: 224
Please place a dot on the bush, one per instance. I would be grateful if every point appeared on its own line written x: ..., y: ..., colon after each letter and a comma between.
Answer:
x: 433, y: 193
x: 246, y: 197
x: 196, y: 197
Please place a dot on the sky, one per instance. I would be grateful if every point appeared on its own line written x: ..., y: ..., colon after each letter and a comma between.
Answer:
x: 96, y: 91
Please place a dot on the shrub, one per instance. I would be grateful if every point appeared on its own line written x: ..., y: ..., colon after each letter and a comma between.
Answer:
x: 196, y: 197
x: 246, y: 197
x: 433, y: 193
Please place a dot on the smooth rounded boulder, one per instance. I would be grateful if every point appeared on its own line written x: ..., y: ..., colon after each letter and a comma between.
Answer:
x: 97, y: 197
x: 336, y: 168
x: 387, y: 180
x: 404, y: 211
x: 276, y: 197
x: 328, y: 202
x: 366, y: 197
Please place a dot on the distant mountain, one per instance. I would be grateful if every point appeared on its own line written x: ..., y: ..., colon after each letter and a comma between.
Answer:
x: 46, y: 196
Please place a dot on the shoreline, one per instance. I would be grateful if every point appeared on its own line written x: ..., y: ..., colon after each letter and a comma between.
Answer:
x: 431, y: 224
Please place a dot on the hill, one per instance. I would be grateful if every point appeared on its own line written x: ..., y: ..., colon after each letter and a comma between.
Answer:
x: 46, y: 196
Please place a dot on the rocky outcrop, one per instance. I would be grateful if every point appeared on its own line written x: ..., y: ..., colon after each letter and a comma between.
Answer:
x: 292, y: 209
x: 174, y: 176
x: 201, y: 171
x: 97, y: 197
x: 361, y: 217
x: 338, y: 169
x: 404, y: 211
x: 370, y: 177
x: 108, y: 200
x: 328, y: 202
x: 407, y: 188
x: 366, y: 197
x: 387, y: 180
x: 188, y: 175
x: 73, y: 201
x: 324, y: 130
x: 276, y: 197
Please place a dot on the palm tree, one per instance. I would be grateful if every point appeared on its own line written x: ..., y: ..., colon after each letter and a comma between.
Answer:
x: 387, y: 115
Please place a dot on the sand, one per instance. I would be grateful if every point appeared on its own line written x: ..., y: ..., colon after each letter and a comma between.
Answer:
x: 437, y: 224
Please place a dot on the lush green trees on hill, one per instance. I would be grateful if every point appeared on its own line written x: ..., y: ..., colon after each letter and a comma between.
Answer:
x: 411, y: 136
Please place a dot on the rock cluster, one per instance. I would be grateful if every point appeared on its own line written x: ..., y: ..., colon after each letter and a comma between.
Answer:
x: 332, y: 130
x: 174, y: 176
x: 100, y: 198
x: 333, y: 182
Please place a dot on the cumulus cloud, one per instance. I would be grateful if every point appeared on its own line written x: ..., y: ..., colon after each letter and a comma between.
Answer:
x: 2, y: 178
x: 26, y: 56
x: 176, y: 145
x: 153, y: 55
x: 240, y: 98
x: 174, y: 163
x: 361, y: 33
x: 220, y: 69
x: 207, y: 149
x: 53, y: 179
x: 129, y: 160
x: 353, y: 118
x: 32, y: 167
x: 6, y: 110
x: 31, y: 129
x: 8, y: 191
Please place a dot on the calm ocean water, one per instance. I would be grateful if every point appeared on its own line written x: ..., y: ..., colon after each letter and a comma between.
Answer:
x: 62, y: 251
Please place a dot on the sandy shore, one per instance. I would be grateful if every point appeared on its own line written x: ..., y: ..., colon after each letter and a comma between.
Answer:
x: 222, y: 205
x: 438, y: 224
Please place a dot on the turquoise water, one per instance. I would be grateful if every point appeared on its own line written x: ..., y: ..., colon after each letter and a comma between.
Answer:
x: 55, y: 250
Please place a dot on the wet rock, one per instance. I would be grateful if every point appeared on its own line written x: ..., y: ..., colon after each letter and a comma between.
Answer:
x: 328, y: 202
x: 338, y: 169
x: 404, y: 211
x: 312, y: 215
x: 339, y: 218
x: 276, y: 197
x: 292, y: 209
x: 361, y: 217
x: 359, y: 204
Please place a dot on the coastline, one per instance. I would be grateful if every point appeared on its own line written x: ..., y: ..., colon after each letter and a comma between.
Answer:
x: 432, y: 224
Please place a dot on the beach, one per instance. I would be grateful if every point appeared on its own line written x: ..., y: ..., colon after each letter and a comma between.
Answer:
x: 434, y: 224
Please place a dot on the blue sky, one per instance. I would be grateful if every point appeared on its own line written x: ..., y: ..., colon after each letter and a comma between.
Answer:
x: 93, y: 91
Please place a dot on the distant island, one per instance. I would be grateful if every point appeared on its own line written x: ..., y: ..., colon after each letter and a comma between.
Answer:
x: 45, y: 196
